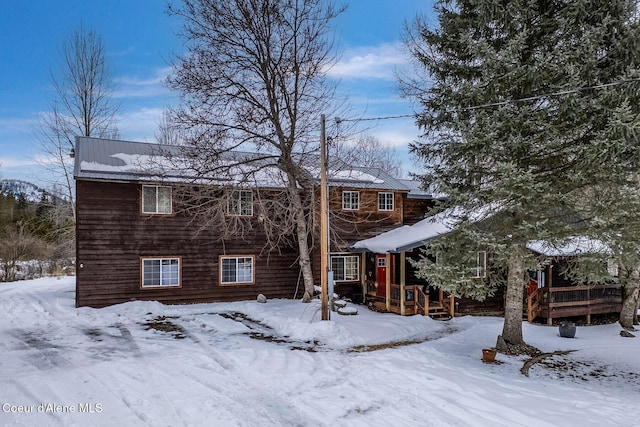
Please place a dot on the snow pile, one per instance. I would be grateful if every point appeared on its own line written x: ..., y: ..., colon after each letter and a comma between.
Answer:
x: 278, y: 364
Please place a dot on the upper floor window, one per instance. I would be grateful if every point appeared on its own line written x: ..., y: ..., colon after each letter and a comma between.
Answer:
x: 350, y: 200
x: 241, y: 203
x: 385, y: 201
x: 236, y: 270
x: 158, y: 272
x: 156, y: 200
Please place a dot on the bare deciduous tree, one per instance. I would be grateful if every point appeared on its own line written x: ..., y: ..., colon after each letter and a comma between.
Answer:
x: 368, y: 151
x: 168, y: 133
x: 82, y: 104
x: 254, y: 79
x: 18, y: 244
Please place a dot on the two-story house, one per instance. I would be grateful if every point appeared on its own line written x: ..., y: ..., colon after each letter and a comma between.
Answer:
x: 135, y: 240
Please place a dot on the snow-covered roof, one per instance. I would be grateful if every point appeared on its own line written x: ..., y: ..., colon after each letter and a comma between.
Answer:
x: 413, y: 236
x: 404, y: 238
x: 108, y: 159
x: 577, y: 245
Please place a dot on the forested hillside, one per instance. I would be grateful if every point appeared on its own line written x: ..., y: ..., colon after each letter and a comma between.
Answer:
x: 36, y: 230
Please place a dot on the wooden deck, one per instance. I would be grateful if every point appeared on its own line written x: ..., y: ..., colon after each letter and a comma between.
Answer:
x: 570, y: 301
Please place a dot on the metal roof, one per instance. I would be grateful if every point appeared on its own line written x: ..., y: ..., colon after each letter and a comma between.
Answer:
x: 117, y: 160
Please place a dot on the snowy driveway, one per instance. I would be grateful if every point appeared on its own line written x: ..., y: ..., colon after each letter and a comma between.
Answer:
x: 277, y: 364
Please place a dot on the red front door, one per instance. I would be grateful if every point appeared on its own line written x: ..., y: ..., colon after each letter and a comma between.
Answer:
x: 381, y: 275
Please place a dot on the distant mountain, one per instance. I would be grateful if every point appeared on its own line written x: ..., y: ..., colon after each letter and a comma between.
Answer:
x: 31, y: 192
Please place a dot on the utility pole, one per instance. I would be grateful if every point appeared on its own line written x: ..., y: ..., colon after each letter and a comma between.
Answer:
x: 324, y: 222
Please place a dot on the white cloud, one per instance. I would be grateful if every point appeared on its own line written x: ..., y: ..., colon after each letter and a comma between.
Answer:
x: 15, y: 163
x: 17, y: 125
x: 140, y: 124
x: 370, y: 62
x: 136, y: 87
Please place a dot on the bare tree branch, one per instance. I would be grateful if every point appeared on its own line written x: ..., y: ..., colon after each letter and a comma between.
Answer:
x: 82, y: 105
x: 253, y: 79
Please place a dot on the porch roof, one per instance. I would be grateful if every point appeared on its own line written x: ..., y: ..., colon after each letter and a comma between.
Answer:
x: 413, y: 236
x: 408, y: 236
x: 576, y: 245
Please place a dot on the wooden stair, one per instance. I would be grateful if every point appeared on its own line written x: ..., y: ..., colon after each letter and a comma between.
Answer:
x: 438, y: 312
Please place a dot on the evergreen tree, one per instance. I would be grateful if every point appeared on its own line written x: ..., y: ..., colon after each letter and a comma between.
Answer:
x: 527, y: 107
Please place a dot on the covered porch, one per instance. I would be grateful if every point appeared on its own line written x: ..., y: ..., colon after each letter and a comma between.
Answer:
x: 551, y: 296
x: 387, y: 277
x: 396, y: 290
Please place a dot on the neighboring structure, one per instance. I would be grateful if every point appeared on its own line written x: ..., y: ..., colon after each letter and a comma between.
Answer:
x: 134, y: 242
x: 550, y: 295
x: 390, y: 284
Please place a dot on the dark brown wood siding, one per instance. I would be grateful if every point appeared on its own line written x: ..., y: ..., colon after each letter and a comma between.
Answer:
x: 112, y: 236
x: 415, y: 210
x: 350, y: 226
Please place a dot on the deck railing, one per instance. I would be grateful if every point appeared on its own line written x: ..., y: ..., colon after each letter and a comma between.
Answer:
x: 573, y: 301
x: 416, y: 301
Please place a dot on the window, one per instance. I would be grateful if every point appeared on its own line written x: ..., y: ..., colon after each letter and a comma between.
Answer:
x: 159, y: 272
x: 350, y: 200
x: 241, y: 203
x: 541, y: 279
x: 345, y: 268
x: 385, y: 201
x: 612, y: 267
x: 156, y: 199
x: 235, y: 270
x: 481, y: 265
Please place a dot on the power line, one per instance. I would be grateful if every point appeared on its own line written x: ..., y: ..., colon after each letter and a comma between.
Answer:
x: 547, y: 95
x: 499, y: 103
x: 365, y: 119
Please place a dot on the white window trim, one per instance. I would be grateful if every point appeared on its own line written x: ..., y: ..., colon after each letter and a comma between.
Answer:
x: 541, y: 279
x: 238, y: 199
x: 157, y: 209
x: 237, y: 257
x: 350, y: 207
x: 160, y: 285
x: 384, y: 208
x: 612, y: 267
x: 481, y: 265
x: 344, y: 261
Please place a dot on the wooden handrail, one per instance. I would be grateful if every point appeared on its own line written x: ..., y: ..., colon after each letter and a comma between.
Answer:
x: 581, y: 288
x: 533, y: 304
x: 421, y: 296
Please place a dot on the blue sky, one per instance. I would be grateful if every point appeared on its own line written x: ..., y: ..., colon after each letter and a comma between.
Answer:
x: 140, y: 38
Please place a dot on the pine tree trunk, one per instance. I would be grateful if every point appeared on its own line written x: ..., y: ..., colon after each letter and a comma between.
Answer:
x: 629, y: 305
x: 512, y: 328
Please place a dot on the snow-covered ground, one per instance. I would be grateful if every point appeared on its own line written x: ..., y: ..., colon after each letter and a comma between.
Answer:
x: 277, y: 364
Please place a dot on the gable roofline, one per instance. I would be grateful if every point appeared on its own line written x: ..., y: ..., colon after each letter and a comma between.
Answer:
x: 131, y: 161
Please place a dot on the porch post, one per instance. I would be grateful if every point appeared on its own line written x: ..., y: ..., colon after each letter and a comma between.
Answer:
x: 589, y: 306
x: 402, y: 284
x: 388, y: 290
x: 363, y: 275
x: 550, y: 282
